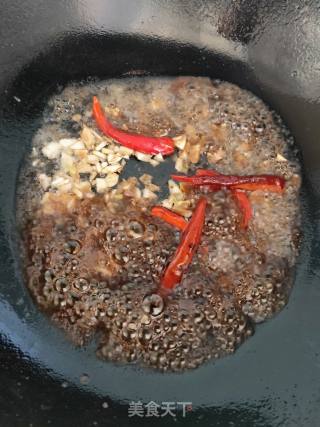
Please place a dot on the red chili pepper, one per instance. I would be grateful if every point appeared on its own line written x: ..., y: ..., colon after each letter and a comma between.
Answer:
x: 170, y: 217
x: 244, y: 205
x: 143, y: 144
x: 209, y: 172
x: 241, y: 198
x: 250, y: 182
x: 188, y: 246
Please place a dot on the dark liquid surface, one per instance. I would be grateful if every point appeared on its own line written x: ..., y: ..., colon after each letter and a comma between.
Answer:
x: 94, y: 263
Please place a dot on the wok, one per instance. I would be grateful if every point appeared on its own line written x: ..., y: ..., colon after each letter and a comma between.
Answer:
x: 268, y: 47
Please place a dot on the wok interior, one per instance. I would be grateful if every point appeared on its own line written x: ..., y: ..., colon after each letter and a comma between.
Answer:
x: 81, y: 56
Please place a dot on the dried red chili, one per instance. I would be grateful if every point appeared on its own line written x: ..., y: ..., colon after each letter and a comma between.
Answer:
x: 244, y: 205
x: 170, y: 217
x: 188, y: 246
x: 239, y: 195
x: 143, y: 144
x: 251, y: 182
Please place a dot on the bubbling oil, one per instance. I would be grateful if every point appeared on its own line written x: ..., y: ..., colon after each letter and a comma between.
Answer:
x: 94, y: 262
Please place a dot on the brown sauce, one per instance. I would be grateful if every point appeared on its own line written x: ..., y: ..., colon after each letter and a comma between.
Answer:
x: 95, y: 256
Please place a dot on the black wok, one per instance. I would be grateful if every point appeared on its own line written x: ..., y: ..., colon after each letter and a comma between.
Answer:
x: 269, y: 47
